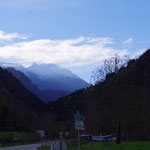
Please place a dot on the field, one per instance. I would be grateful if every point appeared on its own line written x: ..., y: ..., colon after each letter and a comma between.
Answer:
x: 17, y: 138
x: 14, y: 135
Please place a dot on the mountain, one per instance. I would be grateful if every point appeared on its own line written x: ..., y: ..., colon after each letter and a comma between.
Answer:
x: 48, y: 81
x: 44, y: 95
x: 19, y: 108
x: 120, y: 105
x: 50, y: 76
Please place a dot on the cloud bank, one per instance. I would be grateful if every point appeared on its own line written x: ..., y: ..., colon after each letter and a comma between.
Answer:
x: 82, y: 51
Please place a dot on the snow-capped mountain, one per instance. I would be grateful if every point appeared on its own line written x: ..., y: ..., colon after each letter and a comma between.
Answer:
x: 50, y: 76
x: 50, y: 70
x: 44, y: 95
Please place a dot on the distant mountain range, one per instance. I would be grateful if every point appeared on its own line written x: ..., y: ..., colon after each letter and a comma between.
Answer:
x: 48, y: 81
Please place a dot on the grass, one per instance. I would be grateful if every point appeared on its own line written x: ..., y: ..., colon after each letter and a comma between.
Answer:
x: 17, y: 135
x: 110, y: 146
x: 113, y: 146
x: 17, y: 138
x: 44, y: 148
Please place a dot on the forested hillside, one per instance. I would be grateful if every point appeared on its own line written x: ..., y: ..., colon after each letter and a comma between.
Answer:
x: 120, y: 105
x: 19, y: 108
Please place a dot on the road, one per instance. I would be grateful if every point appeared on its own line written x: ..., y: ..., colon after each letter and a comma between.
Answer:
x: 22, y: 147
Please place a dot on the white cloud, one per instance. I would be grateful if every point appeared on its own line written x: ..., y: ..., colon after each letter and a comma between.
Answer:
x: 128, y: 41
x: 81, y: 51
x: 10, y: 36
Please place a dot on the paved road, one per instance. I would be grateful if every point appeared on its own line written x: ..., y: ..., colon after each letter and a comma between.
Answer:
x: 22, y: 147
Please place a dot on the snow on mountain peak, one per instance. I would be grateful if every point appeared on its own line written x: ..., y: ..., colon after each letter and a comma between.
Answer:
x: 43, y: 70
x: 49, y: 70
x: 50, y: 76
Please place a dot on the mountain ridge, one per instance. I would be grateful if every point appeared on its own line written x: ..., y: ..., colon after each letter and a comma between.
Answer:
x: 46, y: 95
x: 50, y: 76
x: 48, y: 81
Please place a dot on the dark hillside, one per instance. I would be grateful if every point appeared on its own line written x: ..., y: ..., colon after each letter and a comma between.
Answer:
x: 119, y: 105
x: 19, y: 108
x: 18, y: 93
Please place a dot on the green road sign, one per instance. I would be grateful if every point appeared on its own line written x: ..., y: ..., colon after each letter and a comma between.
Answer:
x: 79, y: 117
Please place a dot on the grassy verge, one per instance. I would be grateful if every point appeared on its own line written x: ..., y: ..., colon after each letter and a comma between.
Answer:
x: 17, y: 135
x: 110, y: 146
x: 44, y: 148
x: 113, y: 146
x: 17, y: 138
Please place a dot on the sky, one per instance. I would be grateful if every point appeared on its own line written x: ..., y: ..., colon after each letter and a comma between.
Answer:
x: 75, y: 34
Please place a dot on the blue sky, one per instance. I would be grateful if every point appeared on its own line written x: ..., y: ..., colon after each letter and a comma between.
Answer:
x: 76, y: 34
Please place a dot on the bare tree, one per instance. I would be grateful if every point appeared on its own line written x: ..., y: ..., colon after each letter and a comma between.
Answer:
x: 110, y: 65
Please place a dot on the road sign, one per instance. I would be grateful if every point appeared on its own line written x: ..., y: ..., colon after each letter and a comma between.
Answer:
x: 79, y: 117
x: 79, y: 128
x: 79, y: 123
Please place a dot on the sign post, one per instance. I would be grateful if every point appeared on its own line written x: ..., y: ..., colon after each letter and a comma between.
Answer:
x: 78, y: 138
x: 79, y: 125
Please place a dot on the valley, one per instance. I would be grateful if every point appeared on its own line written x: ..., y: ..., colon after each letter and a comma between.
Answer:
x: 117, y: 106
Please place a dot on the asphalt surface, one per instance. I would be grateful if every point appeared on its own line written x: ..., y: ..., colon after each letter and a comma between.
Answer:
x: 22, y: 147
